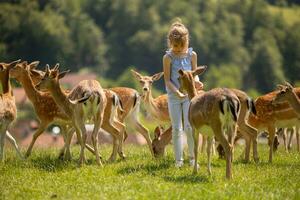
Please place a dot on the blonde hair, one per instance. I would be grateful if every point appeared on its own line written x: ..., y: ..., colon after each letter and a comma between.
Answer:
x: 178, y: 34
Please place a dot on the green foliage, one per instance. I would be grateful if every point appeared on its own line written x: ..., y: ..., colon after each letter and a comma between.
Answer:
x: 224, y: 76
x: 108, y: 36
x: 43, y: 176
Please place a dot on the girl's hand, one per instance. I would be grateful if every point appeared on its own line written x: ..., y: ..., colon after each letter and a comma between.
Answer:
x: 181, y: 95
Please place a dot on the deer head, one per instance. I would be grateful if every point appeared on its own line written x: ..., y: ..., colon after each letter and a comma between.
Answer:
x: 6, y: 67
x: 285, y: 93
x: 24, y: 69
x: 146, y: 81
x: 161, y: 139
x: 50, y: 78
x: 186, y: 79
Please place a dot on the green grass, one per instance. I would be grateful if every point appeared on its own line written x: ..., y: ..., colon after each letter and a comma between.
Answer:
x: 140, y: 177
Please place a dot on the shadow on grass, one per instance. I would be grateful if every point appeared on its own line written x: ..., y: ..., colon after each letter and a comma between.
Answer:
x: 189, y: 178
x: 52, y: 164
x: 148, y: 168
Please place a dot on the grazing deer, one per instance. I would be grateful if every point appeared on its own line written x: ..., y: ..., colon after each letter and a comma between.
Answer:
x: 213, y: 113
x: 88, y: 92
x: 158, y: 107
x: 8, y: 109
x: 270, y: 115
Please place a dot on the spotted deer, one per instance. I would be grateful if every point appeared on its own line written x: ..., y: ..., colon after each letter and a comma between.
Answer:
x: 87, y: 101
x: 288, y: 94
x: 48, y: 112
x: 269, y: 116
x: 8, y: 109
x: 213, y: 113
x: 158, y: 107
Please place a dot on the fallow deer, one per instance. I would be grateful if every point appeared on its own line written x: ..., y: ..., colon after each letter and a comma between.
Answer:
x: 269, y: 116
x: 89, y: 91
x: 287, y: 94
x: 48, y: 111
x: 213, y: 113
x: 8, y: 109
x: 158, y: 107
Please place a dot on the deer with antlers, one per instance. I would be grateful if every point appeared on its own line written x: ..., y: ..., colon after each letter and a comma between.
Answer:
x: 213, y: 113
x: 89, y: 91
x: 48, y: 112
x: 8, y: 109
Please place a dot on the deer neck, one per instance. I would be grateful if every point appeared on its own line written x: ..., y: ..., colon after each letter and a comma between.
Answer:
x: 6, y: 88
x: 192, y: 92
x: 60, y: 98
x: 148, y: 99
x: 32, y: 93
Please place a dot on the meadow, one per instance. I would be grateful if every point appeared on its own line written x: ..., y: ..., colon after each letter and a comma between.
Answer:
x: 43, y: 176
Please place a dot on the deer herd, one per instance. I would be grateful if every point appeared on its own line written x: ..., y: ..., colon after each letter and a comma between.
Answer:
x: 220, y: 114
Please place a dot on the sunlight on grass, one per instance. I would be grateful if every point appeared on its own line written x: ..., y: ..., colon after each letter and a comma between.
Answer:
x: 43, y: 176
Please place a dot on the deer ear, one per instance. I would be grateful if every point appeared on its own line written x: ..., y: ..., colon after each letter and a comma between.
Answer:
x: 34, y: 64
x: 136, y: 74
x: 13, y: 63
x: 180, y: 72
x: 62, y: 74
x: 157, y: 132
x: 157, y: 76
x: 199, y: 70
x: 288, y: 85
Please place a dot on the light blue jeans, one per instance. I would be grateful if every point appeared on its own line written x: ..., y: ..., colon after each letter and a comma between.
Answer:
x: 179, y: 110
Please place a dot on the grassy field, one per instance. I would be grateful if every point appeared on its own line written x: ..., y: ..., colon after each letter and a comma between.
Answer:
x: 43, y: 176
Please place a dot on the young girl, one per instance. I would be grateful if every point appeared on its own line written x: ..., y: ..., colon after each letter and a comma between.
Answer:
x: 179, y: 56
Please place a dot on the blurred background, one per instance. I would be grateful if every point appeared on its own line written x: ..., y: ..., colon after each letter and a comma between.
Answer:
x: 250, y: 45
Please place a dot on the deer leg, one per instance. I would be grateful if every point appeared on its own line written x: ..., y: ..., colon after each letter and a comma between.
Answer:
x: 116, y: 138
x: 36, y: 134
x: 144, y: 132
x: 227, y: 148
x: 69, y: 135
x: 2, y: 141
x: 298, y: 139
x: 291, y: 138
x: 121, y: 128
x: 12, y: 140
x: 95, y: 142
x: 81, y: 141
x: 196, y: 147
x: 209, y: 151
x: 204, y: 141
x: 271, y: 130
x: 284, y: 137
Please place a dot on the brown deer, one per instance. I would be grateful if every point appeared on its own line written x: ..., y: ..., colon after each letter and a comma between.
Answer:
x: 158, y: 107
x: 48, y: 111
x: 213, y: 113
x: 8, y: 109
x: 130, y: 100
x: 287, y: 94
x: 270, y: 115
x: 88, y: 92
